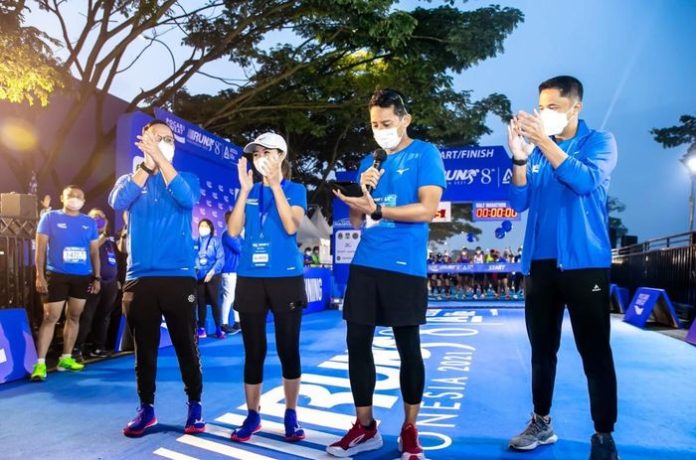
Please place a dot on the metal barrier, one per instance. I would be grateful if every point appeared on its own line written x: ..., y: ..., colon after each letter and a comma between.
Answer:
x: 667, y: 263
x: 17, y: 274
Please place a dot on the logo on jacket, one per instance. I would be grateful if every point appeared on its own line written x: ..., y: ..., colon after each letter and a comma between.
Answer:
x: 191, y: 298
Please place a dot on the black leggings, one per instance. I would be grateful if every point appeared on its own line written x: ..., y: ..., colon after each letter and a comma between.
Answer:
x: 287, y: 334
x: 361, y: 363
x: 209, y: 293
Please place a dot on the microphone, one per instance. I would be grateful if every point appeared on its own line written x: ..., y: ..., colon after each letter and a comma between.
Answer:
x: 379, y: 156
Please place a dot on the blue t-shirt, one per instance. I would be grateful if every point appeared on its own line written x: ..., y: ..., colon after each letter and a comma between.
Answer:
x: 233, y: 248
x: 109, y: 264
x: 271, y: 253
x: 68, y: 242
x: 400, y: 246
x: 546, y: 231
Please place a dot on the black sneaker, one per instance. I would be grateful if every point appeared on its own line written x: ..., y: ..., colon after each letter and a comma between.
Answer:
x: 603, y: 447
x: 235, y: 329
x: 538, y: 433
x: 77, y: 356
x: 97, y: 353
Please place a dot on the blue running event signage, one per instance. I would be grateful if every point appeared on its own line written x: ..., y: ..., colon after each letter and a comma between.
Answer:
x: 474, y: 268
x: 650, y: 303
x: 17, y: 350
x: 476, y: 173
x: 212, y: 158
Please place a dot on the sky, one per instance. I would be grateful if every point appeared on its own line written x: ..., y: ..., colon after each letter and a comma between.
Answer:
x: 637, y: 62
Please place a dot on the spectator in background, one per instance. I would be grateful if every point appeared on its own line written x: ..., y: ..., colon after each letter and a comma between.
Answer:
x: 490, y: 256
x: 316, y: 260
x: 308, y: 257
x: 45, y: 205
x: 210, y: 259
x: 96, y: 316
x: 67, y: 246
x: 463, y: 257
x: 478, y: 256
x: 122, y: 263
x: 232, y: 245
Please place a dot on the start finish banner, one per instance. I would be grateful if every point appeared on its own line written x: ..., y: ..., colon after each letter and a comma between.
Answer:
x: 476, y: 173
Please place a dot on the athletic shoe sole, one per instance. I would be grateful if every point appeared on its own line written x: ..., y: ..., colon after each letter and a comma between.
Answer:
x: 65, y: 369
x: 552, y: 439
x: 409, y: 455
x: 372, y: 444
x: 194, y: 430
x: 236, y: 438
x: 136, y: 434
x: 37, y: 379
x: 294, y: 437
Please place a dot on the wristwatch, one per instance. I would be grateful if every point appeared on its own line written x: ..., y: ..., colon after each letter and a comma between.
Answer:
x: 146, y: 169
x: 517, y: 162
x: 96, y: 278
x: 377, y: 214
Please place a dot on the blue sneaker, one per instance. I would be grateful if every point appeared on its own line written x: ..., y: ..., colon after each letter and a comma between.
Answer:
x: 142, y: 421
x: 251, y: 425
x: 293, y: 430
x: 194, y: 421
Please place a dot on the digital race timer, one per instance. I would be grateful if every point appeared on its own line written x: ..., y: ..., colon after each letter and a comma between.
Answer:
x: 494, y: 211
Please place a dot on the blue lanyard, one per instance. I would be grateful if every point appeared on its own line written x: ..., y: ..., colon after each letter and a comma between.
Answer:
x: 265, y: 211
x: 210, y: 237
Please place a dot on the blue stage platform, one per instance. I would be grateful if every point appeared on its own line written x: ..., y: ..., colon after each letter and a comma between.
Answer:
x: 477, y: 396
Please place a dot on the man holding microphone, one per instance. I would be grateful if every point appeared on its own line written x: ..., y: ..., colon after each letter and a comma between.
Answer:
x: 387, y: 285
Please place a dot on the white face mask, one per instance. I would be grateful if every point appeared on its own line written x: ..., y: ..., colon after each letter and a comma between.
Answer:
x: 167, y: 150
x: 74, y: 204
x: 554, y: 121
x: 263, y: 164
x: 204, y: 231
x: 388, y: 138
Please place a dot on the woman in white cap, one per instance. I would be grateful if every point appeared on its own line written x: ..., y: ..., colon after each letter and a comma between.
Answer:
x: 270, y: 275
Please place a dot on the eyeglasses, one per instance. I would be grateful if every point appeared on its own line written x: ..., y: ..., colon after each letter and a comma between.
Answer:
x: 166, y: 139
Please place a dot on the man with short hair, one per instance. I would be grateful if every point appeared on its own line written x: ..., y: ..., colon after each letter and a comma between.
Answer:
x: 160, y: 280
x: 387, y: 285
x: 67, y: 269
x: 562, y: 178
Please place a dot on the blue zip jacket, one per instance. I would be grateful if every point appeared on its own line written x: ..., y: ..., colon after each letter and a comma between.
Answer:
x: 583, y: 220
x: 209, y: 256
x: 159, y: 228
x: 233, y: 248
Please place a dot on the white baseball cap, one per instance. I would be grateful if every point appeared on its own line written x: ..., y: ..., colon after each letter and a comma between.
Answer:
x: 269, y: 141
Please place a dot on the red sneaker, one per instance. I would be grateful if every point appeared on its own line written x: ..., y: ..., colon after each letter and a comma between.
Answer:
x: 409, y: 445
x: 358, y: 439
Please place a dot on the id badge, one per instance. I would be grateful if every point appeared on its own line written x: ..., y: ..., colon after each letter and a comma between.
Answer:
x: 74, y: 255
x: 261, y: 254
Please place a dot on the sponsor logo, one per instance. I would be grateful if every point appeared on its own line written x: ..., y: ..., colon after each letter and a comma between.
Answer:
x: 356, y: 441
x: 596, y: 288
x: 191, y: 298
x: 62, y: 225
x: 402, y: 171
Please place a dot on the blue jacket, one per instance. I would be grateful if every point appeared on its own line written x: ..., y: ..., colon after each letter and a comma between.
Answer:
x: 583, y: 220
x: 233, y: 248
x: 209, y: 256
x: 159, y: 228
